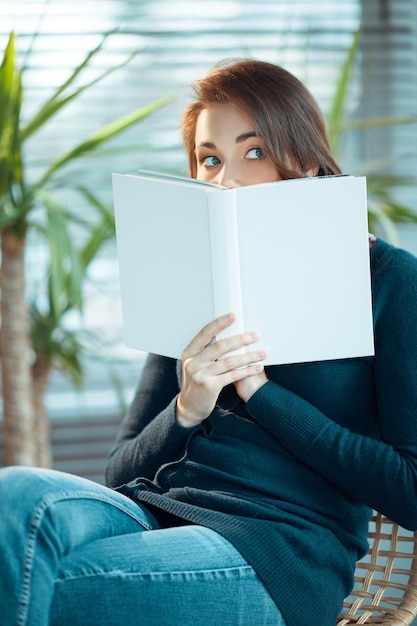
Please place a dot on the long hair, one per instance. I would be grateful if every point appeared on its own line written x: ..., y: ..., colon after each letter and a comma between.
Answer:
x: 284, y: 113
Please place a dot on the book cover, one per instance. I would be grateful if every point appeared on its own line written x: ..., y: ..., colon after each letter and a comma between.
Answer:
x: 289, y: 258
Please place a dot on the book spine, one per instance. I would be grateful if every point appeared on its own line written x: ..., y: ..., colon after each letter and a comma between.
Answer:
x: 224, y: 245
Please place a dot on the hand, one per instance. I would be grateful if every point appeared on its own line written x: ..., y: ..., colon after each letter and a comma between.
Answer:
x: 206, y: 372
x: 248, y: 386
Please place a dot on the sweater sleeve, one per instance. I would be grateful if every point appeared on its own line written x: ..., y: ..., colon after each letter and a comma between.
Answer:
x: 380, y: 472
x: 149, y: 435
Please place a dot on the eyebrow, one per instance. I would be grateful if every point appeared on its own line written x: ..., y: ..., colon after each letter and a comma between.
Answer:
x: 244, y: 136
x: 239, y: 139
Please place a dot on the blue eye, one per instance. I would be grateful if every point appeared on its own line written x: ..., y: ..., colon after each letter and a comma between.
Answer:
x: 255, y: 153
x: 211, y: 161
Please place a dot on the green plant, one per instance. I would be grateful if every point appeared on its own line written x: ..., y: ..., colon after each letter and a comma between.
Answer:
x: 384, y: 209
x: 32, y: 342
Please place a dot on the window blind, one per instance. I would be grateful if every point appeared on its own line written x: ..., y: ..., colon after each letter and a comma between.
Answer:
x: 178, y: 41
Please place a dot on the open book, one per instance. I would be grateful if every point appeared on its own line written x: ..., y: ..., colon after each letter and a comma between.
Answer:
x: 289, y: 258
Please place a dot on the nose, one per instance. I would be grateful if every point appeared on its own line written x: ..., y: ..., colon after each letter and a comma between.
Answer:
x: 229, y: 178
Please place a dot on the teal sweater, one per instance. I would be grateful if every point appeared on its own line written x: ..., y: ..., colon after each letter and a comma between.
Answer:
x: 291, y: 477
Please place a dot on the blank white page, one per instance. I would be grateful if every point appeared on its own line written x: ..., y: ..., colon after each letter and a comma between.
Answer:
x: 305, y: 268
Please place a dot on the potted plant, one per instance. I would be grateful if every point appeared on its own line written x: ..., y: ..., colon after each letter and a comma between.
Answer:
x: 32, y: 342
x: 384, y: 210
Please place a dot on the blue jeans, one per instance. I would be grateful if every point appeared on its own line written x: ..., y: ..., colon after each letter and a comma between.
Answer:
x: 73, y: 552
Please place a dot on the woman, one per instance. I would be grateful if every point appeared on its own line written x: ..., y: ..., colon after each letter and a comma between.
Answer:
x: 242, y: 492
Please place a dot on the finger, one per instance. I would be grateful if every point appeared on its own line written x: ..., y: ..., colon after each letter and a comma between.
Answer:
x: 207, y: 333
x: 216, y: 369
x: 246, y: 372
x: 240, y: 361
x: 235, y: 375
x: 219, y: 349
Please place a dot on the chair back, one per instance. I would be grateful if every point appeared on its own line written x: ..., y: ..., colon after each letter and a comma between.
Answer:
x: 385, y: 589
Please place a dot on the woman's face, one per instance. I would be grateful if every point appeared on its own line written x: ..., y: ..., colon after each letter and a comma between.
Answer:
x: 229, y: 151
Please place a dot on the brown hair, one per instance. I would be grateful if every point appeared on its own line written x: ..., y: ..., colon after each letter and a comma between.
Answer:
x: 284, y: 113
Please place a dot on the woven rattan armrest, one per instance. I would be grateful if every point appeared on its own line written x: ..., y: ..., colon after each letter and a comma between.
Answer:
x: 385, y: 589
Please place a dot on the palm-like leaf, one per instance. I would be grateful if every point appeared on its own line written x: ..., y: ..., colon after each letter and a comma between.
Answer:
x: 384, y: 210
x: 7, y: 69
x: 58, y: 101
x: 18, y: 199
x: 101, y: 231
x: 337, y: 112
x: 55, y: 344
x: 111, y: 130
x: 10, y: 105
x: 65, y: 271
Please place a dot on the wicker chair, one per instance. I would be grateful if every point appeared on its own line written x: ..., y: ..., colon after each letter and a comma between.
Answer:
x: 386, y: 580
